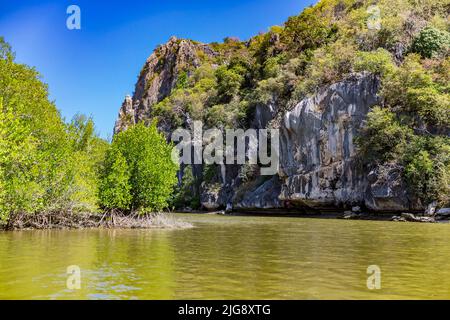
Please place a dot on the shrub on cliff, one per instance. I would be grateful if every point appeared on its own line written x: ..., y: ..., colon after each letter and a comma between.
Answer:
x: 139, y: 171
x: 329, y: 64
x: 378, y: 62
x: 185, y: 194
x: 229, y: 82
x: 383, y: 138
x: 430, y: 42
x: 309, y: 30
x: 425, y: 158
x: 412, y: 127
x: 413, y: 90
x: 427, y: 168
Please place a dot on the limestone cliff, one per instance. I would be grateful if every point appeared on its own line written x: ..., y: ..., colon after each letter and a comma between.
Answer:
x: 325, y: 78
x: 159, y: 77
x: 319, y: 164
x: 320, y: 167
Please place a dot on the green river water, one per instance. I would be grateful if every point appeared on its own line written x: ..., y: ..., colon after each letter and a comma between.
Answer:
x: 231, y: 257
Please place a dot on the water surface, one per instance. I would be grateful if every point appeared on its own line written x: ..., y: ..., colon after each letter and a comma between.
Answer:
x: 229, y: 257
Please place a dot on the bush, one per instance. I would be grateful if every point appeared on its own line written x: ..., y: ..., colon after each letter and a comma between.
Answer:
x: 382, y: 139
x: 169, y: 110
x: 377, y: 62
x: 427, y: 169
x: 182, y: 80
x: 231, y: 115
x: 228, y: 83
x: 328, y: 65
x: 431, y: 42
x: 278, y: 88
x: 432, y: 106
x: 412, y: 90
x: 309, y: 30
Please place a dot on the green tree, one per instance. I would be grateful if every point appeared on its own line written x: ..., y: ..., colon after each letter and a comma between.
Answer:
x: 20, y: 191
x: 81, y: 132
x: 152, y: 173
x: 86, y: 156
x: 115, y: 188
x: 45, y: 164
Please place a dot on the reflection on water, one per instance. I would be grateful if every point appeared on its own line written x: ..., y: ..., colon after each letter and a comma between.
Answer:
x: 230, y: 258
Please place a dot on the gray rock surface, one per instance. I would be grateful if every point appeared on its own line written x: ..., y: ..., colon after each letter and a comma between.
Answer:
x: 318, y: 164
x: 265, y: 196
x: 386, y: 190
x: 409, y: 217
x: 212, y: 196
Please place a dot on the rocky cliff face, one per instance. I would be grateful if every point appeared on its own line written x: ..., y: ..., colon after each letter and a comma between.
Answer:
x: 159, y: 77
x: 319, y: 164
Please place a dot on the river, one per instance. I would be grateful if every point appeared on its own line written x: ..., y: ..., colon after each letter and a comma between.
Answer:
x: 231, y: 257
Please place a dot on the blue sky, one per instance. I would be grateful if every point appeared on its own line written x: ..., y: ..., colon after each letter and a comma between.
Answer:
x: 92, y: 69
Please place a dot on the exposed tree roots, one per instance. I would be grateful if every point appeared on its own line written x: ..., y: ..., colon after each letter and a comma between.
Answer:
x: 112, y: 219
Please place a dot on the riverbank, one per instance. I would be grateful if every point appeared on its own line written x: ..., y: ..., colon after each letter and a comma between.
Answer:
x: 115, y: 220
x: 346, y: 215
x: 107, y: 220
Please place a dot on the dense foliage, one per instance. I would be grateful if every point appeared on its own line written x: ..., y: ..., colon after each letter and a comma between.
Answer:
x: 139, y: 174
x: 412, y: 129
x: 430, y: 42
x: 45, y: 164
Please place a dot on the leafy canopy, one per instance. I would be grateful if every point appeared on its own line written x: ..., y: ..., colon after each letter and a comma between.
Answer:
x: 139, y: 172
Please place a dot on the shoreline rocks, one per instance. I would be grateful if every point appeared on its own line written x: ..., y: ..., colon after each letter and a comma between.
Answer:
x: 409, y: 217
